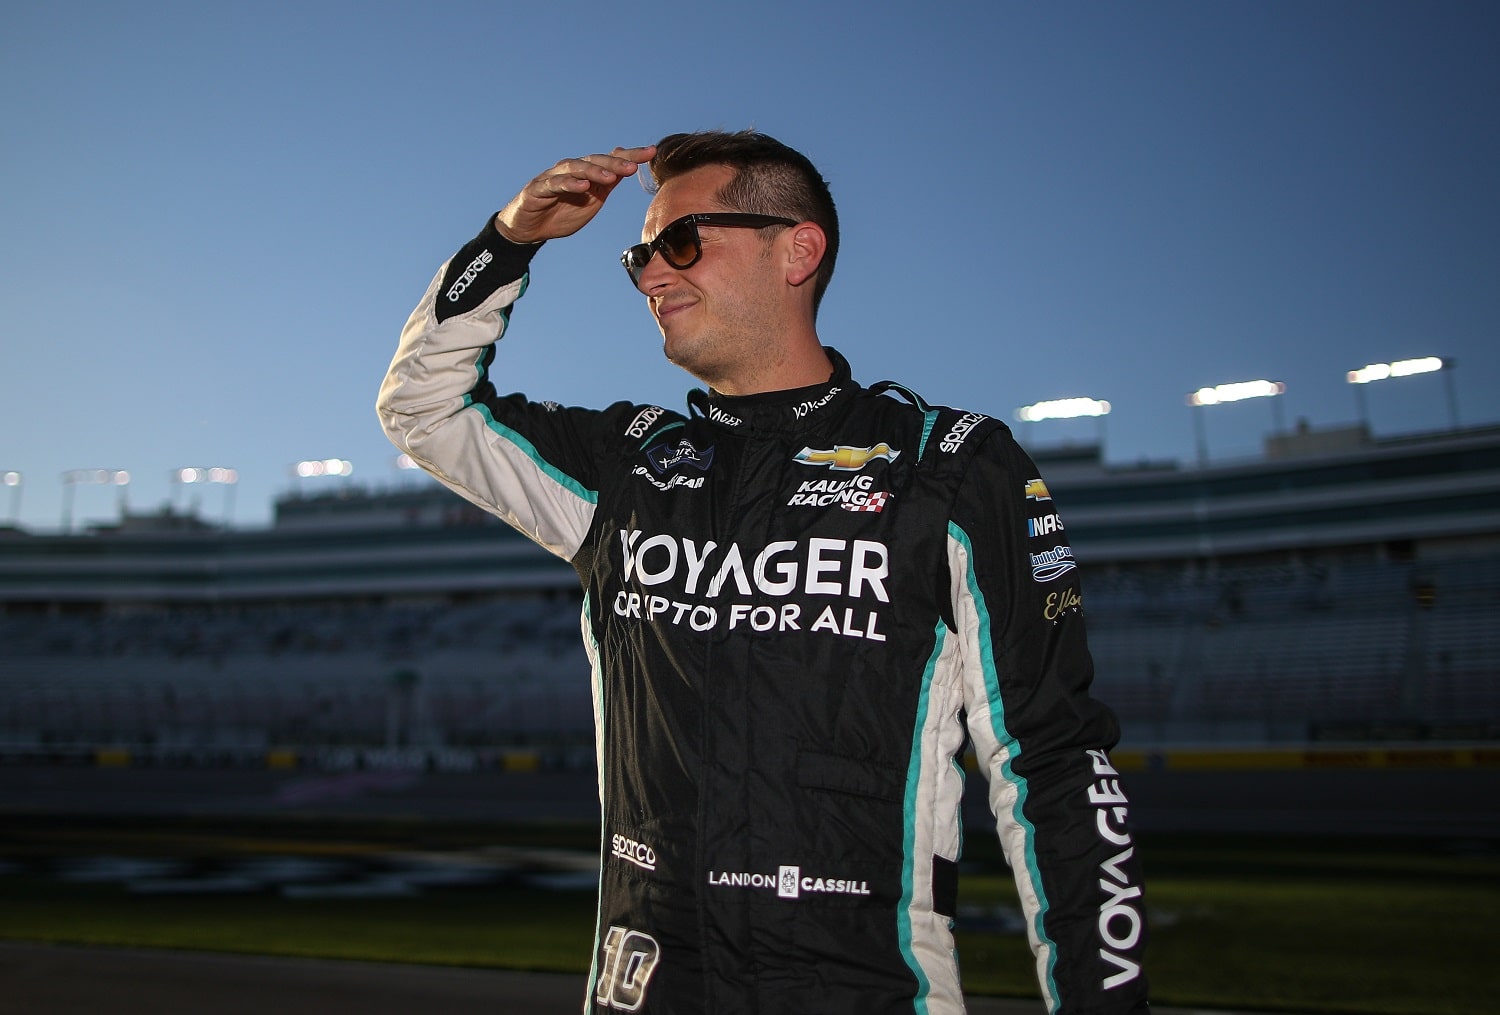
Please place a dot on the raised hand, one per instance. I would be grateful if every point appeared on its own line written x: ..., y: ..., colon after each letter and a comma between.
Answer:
x: 562, y: 200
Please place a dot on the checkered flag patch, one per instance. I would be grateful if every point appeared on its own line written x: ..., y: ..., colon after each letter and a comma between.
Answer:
x: 875, y: 502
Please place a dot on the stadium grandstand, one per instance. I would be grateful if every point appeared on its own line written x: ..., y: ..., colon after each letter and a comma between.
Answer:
x: 1338, y: 588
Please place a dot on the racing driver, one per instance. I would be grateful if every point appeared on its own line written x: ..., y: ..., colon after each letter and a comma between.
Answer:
x: 804, y: 602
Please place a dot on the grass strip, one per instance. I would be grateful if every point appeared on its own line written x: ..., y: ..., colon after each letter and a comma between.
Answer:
x: 1336, y: 927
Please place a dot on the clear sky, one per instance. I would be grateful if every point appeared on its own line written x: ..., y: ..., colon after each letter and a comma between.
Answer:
x: 216, y: 217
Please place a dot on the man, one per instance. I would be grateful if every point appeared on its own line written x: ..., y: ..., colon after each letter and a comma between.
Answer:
x: 800, y: 595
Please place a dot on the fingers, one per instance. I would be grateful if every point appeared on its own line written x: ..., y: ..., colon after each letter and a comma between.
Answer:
x: 577, y: 175
x: 563, y: 199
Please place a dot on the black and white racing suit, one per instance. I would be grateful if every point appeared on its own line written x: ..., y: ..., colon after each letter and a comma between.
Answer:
x: 795, y: 606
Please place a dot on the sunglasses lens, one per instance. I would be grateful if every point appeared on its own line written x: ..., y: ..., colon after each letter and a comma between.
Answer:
x: 635, y: 260
x: 679, y: 244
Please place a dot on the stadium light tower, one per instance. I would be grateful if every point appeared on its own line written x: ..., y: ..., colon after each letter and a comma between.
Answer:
x: 13, y: 480
x: 117, y: 478
x: 227, y: 478
x: 324, y: 467
x: 1235, y: 392
x: 1065, y: 408
x: 1372, y: 372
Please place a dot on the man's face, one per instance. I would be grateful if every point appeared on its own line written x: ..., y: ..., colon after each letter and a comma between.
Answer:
x: 715, y: 316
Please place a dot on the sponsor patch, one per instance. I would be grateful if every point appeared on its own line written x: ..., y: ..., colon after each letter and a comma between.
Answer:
x: 642, y: 423
x: 1043, y: 525
x: 666, y: 457
x: 1060, y: 604
x: 815, y: 404
x: 680, y: 481
x: 633, y: 851
x: 789, y: 882
x: 710, y: 587
x: 718, y: 415
x: 1037, y: 490
x: 1052, y: 564
x: 1121, y: 923
x: 960, y: 431
x: 465, y: 280
x: 857, y: 493
x: 842, y: 458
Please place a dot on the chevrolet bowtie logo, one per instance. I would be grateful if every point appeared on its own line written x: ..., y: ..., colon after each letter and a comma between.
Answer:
x: 845, y: 459
x: 1037, y: 490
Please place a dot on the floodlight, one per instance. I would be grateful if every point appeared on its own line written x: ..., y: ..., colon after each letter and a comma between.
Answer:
x: 1062, y: 408
x: 1399, y: 368
x: 1235, y: 392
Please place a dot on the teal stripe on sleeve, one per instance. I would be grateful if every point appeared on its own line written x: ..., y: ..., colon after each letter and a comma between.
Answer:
x: 909, y: 829
x: 514, y: 438
x: 1013, y: 750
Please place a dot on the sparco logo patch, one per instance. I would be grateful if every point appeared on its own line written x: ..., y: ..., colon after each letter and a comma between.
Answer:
x: 955, y: 437
x: 633, y: 851
x: 643, y: 420
x: 470, y: 274
x: 845, y: 459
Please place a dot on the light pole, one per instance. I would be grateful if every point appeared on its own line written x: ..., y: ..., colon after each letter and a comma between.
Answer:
x: 1372, y: 372
x: 227, y: 478
x: 91, y: 477
x: 1066, y: 408
x: 1235, y: 392
x: 13, y: 480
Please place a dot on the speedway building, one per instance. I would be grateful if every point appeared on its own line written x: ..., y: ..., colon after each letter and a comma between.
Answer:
x: 1339, y: 588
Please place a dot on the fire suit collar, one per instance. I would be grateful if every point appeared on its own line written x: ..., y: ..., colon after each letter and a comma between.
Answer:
x: 780, y: 411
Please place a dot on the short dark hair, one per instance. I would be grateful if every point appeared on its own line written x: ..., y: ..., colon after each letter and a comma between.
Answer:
x: 770, y: 179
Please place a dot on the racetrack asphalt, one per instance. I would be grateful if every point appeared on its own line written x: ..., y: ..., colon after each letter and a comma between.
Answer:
x: 45, y: 979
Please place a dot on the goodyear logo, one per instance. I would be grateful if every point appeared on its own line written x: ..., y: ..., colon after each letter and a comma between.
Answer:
x: 1037, y: 490
x: 845, y: 459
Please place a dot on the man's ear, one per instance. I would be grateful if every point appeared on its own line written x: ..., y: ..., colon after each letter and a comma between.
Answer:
x: 807, y: 246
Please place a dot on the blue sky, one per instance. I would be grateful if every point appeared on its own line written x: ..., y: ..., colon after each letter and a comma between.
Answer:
x: 217, y: 217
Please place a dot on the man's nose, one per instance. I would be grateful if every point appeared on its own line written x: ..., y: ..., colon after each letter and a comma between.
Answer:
x: 657, y: 274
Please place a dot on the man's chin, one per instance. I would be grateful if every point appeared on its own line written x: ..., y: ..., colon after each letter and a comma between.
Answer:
x: 676, y: 347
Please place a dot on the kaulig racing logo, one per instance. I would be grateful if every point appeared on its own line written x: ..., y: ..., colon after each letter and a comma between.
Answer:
x: 854, y: 493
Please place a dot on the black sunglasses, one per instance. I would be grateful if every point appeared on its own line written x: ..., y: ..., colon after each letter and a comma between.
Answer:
x: 679, y: 243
